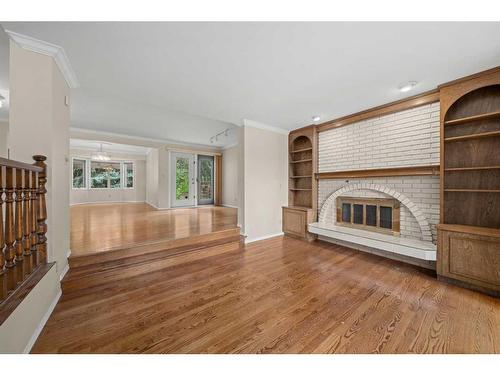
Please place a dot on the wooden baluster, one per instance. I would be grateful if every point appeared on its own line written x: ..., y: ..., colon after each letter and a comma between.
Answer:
x: 18, y: 226
x: 28, y: 261
x: 3, y: 276
x: 33, y: 214
x: 9, y: 229
x: 42, y: 209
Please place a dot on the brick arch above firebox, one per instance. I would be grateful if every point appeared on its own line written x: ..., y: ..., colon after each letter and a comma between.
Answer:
x: 329, y: 204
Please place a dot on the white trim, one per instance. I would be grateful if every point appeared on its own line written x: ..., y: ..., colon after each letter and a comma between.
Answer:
x: 190, y: 151
x: 159, y: 142
x: 64, y: 272
x: 108, y: 202
x: 48, y: 49
x: 229, y: 205
x: 231, y: 145
x: 263, y: 237
x: 258, y: 125
x: 392, y: 244
x: 38, y: 329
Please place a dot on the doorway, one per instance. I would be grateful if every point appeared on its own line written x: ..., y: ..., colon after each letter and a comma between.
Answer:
x: 192, y: 179
x: 183, y: 179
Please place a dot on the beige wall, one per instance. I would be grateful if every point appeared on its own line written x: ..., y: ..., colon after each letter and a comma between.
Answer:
x: 4, y: 132
x: 230, y: 176
x: 152, y: 177
x: 137, y: 194
x: 39, y: 124
x: 265, y: 182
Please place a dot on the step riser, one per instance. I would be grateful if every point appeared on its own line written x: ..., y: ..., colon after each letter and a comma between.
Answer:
x: 150, y: 248
x: 120, y: 273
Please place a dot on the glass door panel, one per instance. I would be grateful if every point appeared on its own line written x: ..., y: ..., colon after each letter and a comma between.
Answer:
x: 182, y: 177
x: 205, y: 179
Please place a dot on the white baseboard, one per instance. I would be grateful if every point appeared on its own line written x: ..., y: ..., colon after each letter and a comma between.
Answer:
x: 38, y: 329
x: 106, y: 202
x: 230, y: 206
x: 64, y: 272
x: 263, y: 237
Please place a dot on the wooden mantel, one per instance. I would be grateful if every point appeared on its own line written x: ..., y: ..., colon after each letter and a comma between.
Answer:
x: 430, y: 170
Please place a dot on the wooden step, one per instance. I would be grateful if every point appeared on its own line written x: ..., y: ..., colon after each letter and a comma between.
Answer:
x: 93, y: 275
x: 134, y: 250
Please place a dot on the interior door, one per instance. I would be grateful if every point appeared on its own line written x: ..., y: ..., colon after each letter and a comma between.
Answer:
x: 205, y: 179
x: 183, y: 179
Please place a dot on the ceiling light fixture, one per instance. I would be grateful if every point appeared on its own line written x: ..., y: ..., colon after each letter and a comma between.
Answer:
x: 405, y: 87
x: 316, y: 118
x: 100, y: 155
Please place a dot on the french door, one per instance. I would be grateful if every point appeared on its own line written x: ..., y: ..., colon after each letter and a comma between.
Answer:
x: 205, y: 179
x: 182, y: 179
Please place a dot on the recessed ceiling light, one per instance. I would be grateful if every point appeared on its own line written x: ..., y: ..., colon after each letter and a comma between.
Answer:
x: 316, y: 118
x: 405, y: 87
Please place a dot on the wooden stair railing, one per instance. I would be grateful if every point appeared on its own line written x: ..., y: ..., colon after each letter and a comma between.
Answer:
x: 23, y: 228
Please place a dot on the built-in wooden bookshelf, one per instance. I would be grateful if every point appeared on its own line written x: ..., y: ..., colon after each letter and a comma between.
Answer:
x: 470, y: 182
x: 301, y: 209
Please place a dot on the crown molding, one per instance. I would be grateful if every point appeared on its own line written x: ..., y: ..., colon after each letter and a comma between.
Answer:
x: 152, y: 142
x: 259, y: 125
x: 48, y: 49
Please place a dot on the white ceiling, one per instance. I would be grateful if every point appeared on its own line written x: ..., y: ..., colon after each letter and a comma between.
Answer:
x: 83, y: 144
x: 187, y: 81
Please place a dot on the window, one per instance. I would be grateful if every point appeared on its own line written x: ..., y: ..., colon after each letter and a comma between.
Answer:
x: 375, y: 214
x: 105, y: 175
x: 128, y: 169
x: 79, y: 174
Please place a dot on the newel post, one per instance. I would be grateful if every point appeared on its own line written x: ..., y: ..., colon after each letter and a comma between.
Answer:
x: 41, y: 209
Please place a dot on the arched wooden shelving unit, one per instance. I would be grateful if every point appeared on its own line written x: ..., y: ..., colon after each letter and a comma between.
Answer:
x: 302, y: 191
x: 469, y: 229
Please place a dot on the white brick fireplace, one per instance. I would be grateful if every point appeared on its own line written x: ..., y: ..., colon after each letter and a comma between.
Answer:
x: 408, y: 138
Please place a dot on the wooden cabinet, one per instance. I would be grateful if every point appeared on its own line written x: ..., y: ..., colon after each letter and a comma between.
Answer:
x: 295, y: 220
x: 471, y: 256
x: 469, y: 230
x: 302, y: 185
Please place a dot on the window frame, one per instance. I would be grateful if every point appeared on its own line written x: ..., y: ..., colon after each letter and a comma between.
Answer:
x: 88, y: 169
x: 85, y: 173
x: 384, y: 202
x: 124, y: 175
x: 109, y: 180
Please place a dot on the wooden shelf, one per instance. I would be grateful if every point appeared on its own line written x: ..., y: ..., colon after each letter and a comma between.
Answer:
x: 294, y: 189
x: 473, y: 190
x: 468, y: 119
x: 309, y: 176
x: 482, y: 231
x: 302, y: 150
x: 491, y: 167
x: 300, y: 161
x: 473, y: 136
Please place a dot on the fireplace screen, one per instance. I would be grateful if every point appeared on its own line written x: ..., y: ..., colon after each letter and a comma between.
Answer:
x: 374, y: 214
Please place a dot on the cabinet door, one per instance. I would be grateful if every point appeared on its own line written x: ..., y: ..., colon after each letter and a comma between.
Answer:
x: 294, y: 222
x: 470, y: 258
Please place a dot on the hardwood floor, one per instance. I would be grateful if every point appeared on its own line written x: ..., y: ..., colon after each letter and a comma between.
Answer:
x: 275, y: 296
x: 103, y: 227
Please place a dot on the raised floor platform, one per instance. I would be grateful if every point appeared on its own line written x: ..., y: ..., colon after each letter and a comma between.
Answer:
x: 392, y: 244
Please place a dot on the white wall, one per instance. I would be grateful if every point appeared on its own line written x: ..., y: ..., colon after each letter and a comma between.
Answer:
x: 4, y: 132
x: 230, y: 176
x: 39, y: 124
x: 265, y: 181
x: 152, y: 171
x: 137, y: 194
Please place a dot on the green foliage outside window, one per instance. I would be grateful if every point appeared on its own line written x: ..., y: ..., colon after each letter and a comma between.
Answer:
x: 182, y: 178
